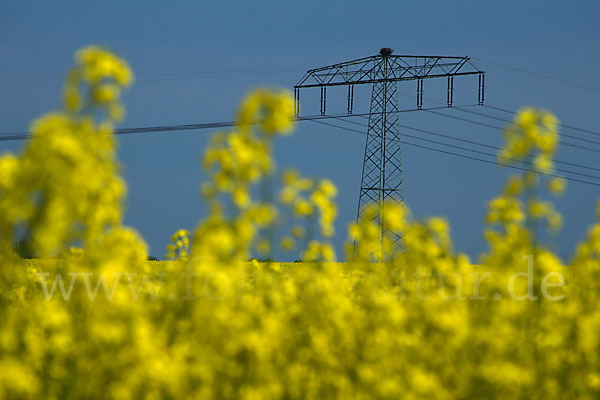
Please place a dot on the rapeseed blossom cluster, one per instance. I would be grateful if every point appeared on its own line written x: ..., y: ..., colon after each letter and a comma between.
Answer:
x: 91, y: 318
x: 179, y: 247
x: 531, y: 142
x: 64, y: 189
x: 313, y: 202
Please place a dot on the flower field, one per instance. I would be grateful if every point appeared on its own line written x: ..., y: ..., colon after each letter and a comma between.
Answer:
x: 90, y: 317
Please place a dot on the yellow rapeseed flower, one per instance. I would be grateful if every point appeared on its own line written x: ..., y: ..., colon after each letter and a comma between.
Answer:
x: 557, y: 185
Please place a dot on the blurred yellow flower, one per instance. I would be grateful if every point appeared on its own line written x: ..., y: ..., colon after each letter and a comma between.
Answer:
x: 288, y: 243
x: 557, y: 185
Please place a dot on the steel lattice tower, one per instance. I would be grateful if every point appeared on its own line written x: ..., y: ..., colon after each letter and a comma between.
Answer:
x: 382, y: 164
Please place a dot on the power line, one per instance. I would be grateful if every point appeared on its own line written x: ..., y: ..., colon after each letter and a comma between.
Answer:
x: 461, y: 108
x: 562, y: 142
x: 509, y: 121
x: 539, y: 75
x: 473, y: 150
x: 466, y: 156
x: 16, y: 136
x: 155, y: 77
x: 502, y: 165
x: 13, y: 136
x: 188, y: 73
x: 561, y: 124
x: 476, y: 143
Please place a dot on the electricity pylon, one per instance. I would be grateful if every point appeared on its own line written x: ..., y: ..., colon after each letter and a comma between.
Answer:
x: 381, y: 180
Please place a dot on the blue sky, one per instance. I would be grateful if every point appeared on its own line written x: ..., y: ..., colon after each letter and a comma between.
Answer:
x: 560, y: 39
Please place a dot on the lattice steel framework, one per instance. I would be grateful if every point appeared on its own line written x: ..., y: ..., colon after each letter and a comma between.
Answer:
x: 382, y: 164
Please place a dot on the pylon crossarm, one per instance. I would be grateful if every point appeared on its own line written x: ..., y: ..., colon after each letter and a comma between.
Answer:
x: 400, y: 68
